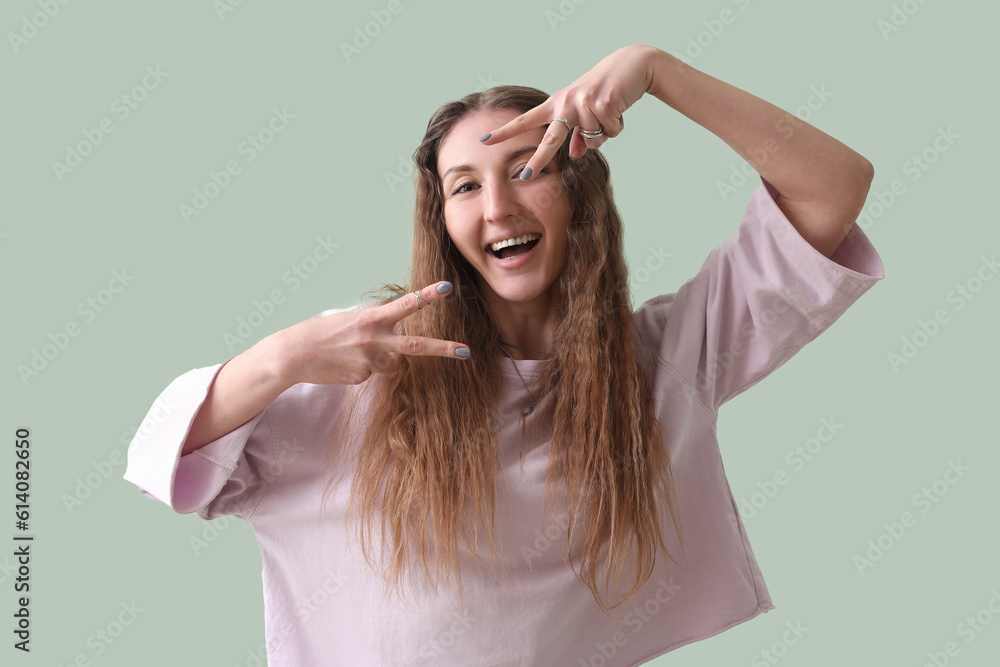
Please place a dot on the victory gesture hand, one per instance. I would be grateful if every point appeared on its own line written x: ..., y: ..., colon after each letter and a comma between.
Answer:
x: 591, y: 108
x: 347, y: 347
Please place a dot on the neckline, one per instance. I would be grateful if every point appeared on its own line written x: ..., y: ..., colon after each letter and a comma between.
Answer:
x: 526, y: 366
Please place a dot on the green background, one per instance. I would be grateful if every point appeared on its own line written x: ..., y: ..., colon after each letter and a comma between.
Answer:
x: 325, y: 175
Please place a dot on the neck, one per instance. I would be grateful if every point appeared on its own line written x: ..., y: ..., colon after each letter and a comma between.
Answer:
x: 530, y: 325
x: 516, y: 352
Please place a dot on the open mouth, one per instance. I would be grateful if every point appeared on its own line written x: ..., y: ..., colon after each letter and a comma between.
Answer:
x: 513, y: 250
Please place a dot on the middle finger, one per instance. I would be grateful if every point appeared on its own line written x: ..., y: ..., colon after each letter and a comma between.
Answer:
x: 579, y: 144
x: 553, y: 138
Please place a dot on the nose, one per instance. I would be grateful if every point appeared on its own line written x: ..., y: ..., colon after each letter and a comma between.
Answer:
x: 500, y: 200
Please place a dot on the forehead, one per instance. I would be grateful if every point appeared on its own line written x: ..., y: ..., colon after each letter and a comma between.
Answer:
x: 461, y: 145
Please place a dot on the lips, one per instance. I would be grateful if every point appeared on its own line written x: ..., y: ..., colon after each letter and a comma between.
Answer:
x: 514, y: 262
x: 510, y: 236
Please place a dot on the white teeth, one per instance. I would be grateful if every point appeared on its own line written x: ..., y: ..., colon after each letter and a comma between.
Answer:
x: 514, y: 241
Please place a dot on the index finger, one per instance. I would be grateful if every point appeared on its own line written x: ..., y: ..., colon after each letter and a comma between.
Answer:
x: 547, y: 147
x: 409, y: 303
x: 529, y: 120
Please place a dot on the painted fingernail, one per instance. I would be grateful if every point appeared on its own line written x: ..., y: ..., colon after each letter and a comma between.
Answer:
x: 463, y: 352
x: 444, y: 287
x: 526, y: 174
x: 486, y: 136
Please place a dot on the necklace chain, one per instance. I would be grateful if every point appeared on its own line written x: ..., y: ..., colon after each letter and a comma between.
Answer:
x: 548, y: 354
x: 531, y: 409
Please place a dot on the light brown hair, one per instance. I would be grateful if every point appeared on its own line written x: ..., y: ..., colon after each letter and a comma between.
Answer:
x: 430, y: 444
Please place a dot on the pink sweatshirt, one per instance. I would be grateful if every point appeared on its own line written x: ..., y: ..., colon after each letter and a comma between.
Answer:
x: 758, y: 298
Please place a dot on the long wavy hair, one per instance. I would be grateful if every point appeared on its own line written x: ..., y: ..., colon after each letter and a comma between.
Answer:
x: 429, y: 443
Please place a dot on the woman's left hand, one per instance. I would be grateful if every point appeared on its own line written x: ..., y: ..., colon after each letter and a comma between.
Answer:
x: 595, y: 101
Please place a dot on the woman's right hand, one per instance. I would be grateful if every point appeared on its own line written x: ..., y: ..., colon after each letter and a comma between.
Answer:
x: 347, y: 347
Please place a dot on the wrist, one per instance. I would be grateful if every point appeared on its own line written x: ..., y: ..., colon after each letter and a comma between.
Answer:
x: 661, y: 67
x: 274, y: 357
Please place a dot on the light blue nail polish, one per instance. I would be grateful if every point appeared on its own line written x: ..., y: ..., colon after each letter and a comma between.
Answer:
x: 526, y: 174
x: 486, y: 136
x: 463, y: 352
x: 444, y: 287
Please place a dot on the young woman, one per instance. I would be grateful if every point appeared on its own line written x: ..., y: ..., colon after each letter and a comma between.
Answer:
x: 501, y: 463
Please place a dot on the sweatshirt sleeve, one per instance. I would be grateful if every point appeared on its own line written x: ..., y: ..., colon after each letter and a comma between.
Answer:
x: 229, y: 476
x: 222, y: 478
x: 759, y: 298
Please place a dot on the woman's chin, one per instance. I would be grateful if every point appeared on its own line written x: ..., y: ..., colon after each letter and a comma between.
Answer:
x: 512, y: 289
x: 517, y: 293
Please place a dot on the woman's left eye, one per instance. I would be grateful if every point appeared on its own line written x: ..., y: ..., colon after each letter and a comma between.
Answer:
x: 517, y: 174
x: 521, y: 168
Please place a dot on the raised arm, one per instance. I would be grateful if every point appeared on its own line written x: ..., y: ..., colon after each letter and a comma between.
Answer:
x: 822, y: 184
x: 244, y: 386
x: 342, y: 348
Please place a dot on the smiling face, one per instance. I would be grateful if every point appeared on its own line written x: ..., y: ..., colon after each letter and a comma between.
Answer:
x: 486, y: 201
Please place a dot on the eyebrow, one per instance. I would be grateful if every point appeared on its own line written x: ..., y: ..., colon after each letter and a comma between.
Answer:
x: 513, y: 155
